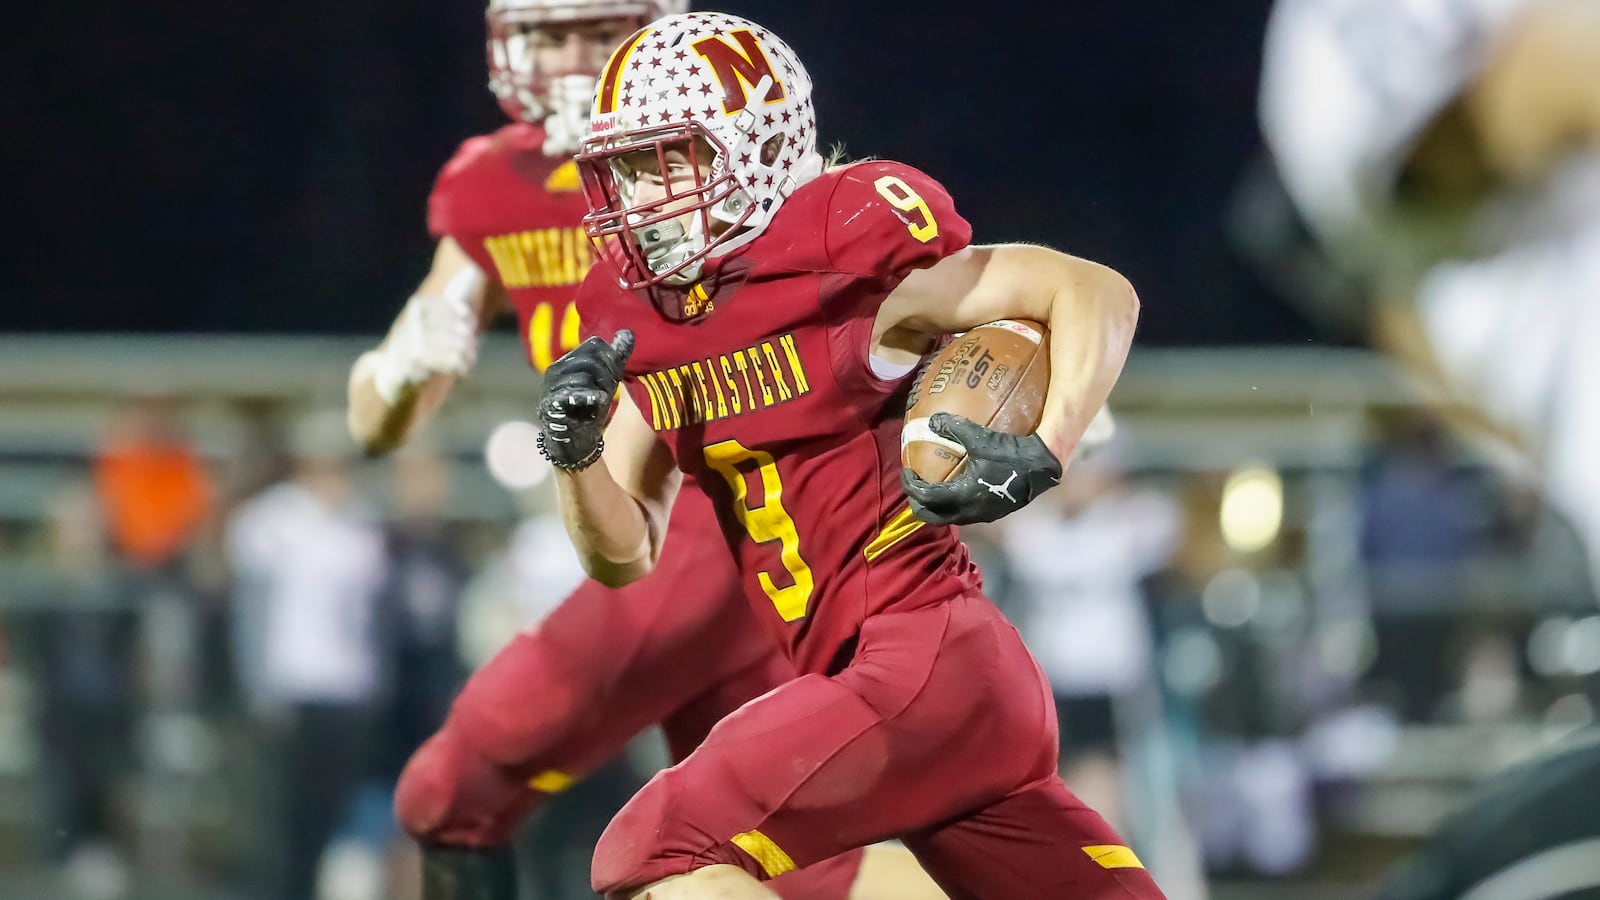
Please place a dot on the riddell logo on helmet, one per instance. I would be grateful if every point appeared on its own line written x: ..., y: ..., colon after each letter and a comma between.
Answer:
x: 602, y: 124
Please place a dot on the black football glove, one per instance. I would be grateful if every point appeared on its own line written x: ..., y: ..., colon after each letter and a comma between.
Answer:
x: 576, y: 401
x: 1003, y: 473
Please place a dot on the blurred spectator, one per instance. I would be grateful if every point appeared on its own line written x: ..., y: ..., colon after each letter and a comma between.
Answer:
x: 987, y: 544
x: 82, y: 647
x: 521, y: 583
x: 1488, y: 680
x: 154, y: 490
x: 1417, y: 504
x: 1425, y: 518
x: 309, y: 559
x: 421, y: 604
x: 421, y: 608
x: 1228, y: 620
x: 1077, y: 558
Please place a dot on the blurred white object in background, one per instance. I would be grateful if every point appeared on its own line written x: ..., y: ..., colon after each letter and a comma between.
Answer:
x: 512, y: 455
x: 351, y: 870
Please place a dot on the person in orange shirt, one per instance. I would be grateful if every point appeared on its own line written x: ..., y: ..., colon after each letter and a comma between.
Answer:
x: 155, y: 491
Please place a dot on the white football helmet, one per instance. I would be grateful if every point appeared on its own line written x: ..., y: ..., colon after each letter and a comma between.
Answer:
x: 560, y: 101
x: 707, y: 76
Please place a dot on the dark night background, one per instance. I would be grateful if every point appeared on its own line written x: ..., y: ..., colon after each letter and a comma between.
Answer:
x: 263, y: 167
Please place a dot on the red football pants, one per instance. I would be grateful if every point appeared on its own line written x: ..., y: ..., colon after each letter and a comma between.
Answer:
x: 680, y: 648
x: 941, y: 732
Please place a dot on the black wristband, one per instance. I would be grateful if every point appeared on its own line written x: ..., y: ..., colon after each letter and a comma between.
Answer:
x: 578, y: 466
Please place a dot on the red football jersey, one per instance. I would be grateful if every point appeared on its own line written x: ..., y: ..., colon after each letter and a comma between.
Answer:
x: 760, y: 380
x: 516, y: 212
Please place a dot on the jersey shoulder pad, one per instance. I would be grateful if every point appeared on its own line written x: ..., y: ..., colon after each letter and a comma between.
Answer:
x: 886, y: 218
x: 472, y: 175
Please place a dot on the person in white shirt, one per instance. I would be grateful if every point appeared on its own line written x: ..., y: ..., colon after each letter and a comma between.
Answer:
x: 308, y: 560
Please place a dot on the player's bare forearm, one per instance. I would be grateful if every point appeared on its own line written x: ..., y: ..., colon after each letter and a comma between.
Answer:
x: 607, y: 525
x: 1092, y: 319
x: 615, y: 510
x: 1091, y: 312
x: 381, y: 427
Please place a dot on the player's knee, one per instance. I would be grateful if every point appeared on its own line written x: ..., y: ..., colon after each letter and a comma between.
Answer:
x: 524, y: 703
x: 628, y: 848
x: 448, y: 794
x: 422, y: 799
x: 649, y: 840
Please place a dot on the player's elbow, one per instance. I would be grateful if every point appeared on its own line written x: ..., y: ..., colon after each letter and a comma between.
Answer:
x: 1122, y: 300
x: 614, y: 578
x: 1112, y: 299
x: 617, y: 573
x: 614, y: 574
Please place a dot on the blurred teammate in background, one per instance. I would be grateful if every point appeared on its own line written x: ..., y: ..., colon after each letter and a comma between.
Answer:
x: 1448, y: 152
x: 561, y: 699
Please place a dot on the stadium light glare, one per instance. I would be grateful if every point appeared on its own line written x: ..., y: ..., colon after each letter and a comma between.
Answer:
x: 1252, y: 508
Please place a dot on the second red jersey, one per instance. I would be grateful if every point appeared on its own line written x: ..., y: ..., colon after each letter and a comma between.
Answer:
x: 760, y: 380
x: 517, y: 213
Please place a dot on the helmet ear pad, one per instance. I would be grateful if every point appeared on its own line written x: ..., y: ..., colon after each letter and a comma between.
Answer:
x: 769, y: 149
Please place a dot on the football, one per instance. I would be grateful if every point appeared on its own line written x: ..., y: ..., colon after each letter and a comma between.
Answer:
x: 995, y: 375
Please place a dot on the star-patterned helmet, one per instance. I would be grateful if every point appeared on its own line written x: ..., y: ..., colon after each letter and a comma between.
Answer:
x: 689, y: 83
x: 560, y: 99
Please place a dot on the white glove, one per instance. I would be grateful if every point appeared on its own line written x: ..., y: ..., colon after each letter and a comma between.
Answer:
x: 433, y: 336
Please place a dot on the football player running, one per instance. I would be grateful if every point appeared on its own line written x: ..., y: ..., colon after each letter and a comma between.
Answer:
x: 763, y: 317
x: 565, y: 697
x: 1449, y: 152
